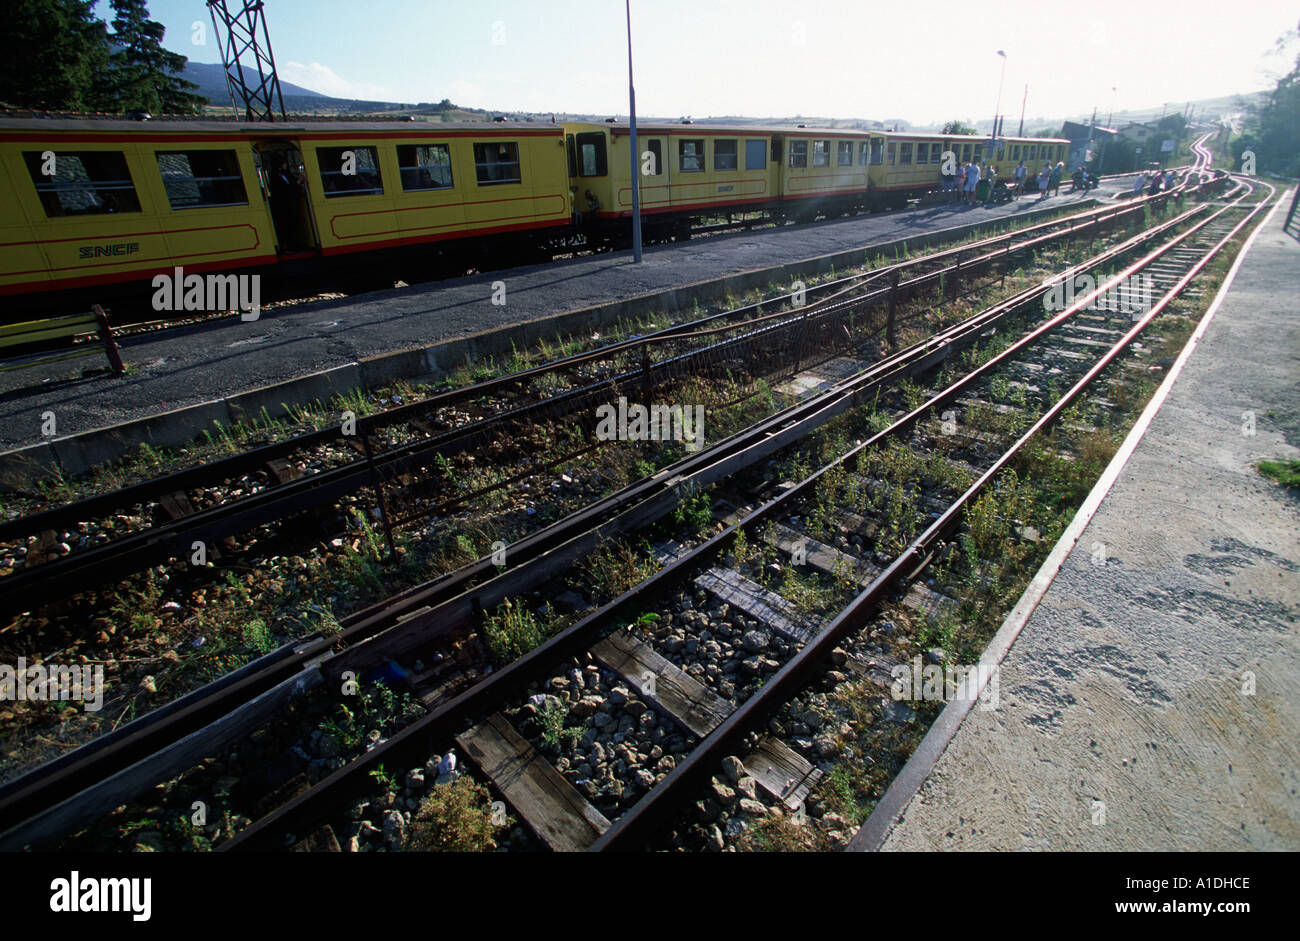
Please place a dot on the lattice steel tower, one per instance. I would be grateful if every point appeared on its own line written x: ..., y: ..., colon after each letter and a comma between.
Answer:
x: 237, y: 26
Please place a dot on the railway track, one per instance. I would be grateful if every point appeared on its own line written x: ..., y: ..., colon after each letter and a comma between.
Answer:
x: 54, y: 801
x: 159, y: 520
x: 625, y: 670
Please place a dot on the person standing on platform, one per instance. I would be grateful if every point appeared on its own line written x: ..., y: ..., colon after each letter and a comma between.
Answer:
x: 1020, y: 175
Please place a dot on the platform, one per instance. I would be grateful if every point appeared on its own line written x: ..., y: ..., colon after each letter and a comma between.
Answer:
x: 330, y: 340
x: 1151, y: 701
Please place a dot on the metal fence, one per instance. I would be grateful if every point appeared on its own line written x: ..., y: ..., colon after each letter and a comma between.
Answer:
x: 1292, y: 217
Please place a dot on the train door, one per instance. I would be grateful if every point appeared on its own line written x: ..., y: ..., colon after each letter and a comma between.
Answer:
x: 284, y: 184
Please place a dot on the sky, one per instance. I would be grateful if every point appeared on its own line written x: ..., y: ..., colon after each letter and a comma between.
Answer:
x: 924, y: 61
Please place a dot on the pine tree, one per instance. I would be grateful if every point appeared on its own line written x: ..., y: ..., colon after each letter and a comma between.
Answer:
x: 144, y: 76
x: 52, y: 56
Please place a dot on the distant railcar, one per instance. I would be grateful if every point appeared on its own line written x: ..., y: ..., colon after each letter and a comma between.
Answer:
x: 690, y: 172
x: 909, y: 164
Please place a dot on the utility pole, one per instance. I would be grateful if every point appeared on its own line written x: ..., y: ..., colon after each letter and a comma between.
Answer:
x: 635, y: 156
x: 1023, y: 102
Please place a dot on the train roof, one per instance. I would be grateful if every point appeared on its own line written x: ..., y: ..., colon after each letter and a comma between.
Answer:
x: 123, y: 125
x: 675, y: 127
x: 973, y: 138
x: 679, y: 129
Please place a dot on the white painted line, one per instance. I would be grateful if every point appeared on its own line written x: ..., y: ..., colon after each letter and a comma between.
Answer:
x: 893, y: 804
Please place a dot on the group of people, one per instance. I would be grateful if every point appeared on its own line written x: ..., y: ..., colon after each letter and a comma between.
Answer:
x: 1153, y: 182
x: 964, y: 180
x: 962, y: 183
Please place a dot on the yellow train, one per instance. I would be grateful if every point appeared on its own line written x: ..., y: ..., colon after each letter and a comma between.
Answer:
x: 689, y: 171
x: 90, y: 207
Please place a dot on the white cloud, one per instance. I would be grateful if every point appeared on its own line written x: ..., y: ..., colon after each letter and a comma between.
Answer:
x: 321, y: 78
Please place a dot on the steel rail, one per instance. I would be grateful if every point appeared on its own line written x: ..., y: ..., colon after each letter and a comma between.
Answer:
x: 27, y: 588
x: 51, y: 782
x: 423, y: 735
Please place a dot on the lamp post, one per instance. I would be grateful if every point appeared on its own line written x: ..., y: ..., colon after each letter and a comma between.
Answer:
x: 636, y: 163
x: 1101, y: 159
x: 998, y: 107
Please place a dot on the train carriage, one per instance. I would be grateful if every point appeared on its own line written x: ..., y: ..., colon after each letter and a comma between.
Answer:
x: 912, y: 162
x: 691, y: 171
x: 88, y: 205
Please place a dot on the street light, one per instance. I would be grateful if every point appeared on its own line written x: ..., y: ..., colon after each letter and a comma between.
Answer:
x: 998, y: 107
x: 636, y: 163
x: 1101, y: 158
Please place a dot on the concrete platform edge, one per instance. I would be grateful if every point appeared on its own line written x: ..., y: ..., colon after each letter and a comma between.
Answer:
x: 893, y: 804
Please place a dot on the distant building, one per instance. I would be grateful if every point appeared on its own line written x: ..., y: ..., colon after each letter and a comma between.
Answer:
x: 1138, y: 133
x: 1085, y: 141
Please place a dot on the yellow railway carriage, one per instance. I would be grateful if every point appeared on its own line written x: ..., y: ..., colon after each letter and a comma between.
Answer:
x: 85, y: 205
x: 910, y: 163
x: 689, y: 171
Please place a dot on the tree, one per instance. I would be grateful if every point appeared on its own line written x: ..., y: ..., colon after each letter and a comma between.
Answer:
x: 1172, y: 125
x: 1275, y: 125
x: 957, y: 127
x: 142, y: 74
x: 52, y: 56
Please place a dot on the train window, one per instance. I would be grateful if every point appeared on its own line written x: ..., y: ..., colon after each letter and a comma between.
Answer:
x: 1015, y: 152
x: 755, y: 155
x: 905, y: 153
x: 889, y: 153
x: 821, y: 153
x: 798, y: 154
x: 864, y: 153
x: 845, y: 156
x: 690, y: 154
x: 776, y: 150
x: 349, y: 171
x: 979, y: 152
x: 965, y: 153
x: 82, y: 183
x: 656, y: 150
x: 936, y: 152
x: 591, y: 154
x: 497, y: 163
x: 876, y: 151
x: 425, y: 166
x: 725, y: 155
x: 198, y: 179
